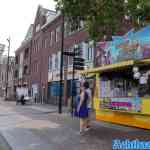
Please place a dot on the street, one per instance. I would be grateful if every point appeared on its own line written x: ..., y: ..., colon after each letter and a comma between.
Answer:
x: 40, y: 127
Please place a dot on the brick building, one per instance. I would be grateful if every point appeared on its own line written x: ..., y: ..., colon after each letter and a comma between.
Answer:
x: 44, y: 51
x: 3, y: 78
x: 23, y: 61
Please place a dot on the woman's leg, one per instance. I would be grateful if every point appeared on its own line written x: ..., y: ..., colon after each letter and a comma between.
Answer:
x: 82, y: 124
x: 88, y: 119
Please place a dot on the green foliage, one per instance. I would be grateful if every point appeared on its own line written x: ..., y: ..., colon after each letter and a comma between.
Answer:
x: 139, y: 12
x: 103, y: 17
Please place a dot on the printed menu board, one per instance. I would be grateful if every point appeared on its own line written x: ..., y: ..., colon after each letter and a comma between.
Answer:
x: 129, y: 104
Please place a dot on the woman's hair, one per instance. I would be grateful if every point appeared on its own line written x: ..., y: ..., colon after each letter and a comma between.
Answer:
x: 86, y: 85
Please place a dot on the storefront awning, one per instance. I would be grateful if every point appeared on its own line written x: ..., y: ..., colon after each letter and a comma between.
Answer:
x: 143, y: 62
x: 119, y: 65
x: 109, y: 67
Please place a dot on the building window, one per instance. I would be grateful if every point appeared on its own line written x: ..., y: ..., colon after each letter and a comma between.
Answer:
x: 2, y: 76
x: 33, y: 49
x: 65, y: 29
x: 90, y: 52
x: 35, y: 46
x: 58, y: 33
x: 59, y: 59
x: 33, y: 67
x: 45, y: 42
x: 71, y: 28
x: 49, y: 63
x: 38, y: 45
x: 37, y: 67
x: 25, y: 70
x: 37, y: 28
x: 70, y: 61
x: 16, y: 60
x: 53, y: 61
x: 52, y: 37
x: 26, y: 53
x: 56, y: 62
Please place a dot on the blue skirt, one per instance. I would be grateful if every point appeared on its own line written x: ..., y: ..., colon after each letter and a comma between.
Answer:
x: 83, y: 113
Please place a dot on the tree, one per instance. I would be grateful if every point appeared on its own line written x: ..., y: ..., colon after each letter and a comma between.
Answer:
x: 103, y: 17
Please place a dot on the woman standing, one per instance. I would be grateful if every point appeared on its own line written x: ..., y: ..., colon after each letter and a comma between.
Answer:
x: 82, y: 109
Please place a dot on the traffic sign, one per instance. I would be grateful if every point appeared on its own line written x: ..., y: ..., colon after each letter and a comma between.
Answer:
x: 68, y: 53
x: 79, y: 67
x: 78, y: 63
x: 71, y: 53
x: 78, y: 59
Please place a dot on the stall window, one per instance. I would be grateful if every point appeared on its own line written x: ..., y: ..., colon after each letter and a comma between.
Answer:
x: 118, y: 84
x: 122, y: 90
x: 144, y: 81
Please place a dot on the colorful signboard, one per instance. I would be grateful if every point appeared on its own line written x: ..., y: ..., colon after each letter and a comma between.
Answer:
x: 132, y: 45
x: 129, y: 104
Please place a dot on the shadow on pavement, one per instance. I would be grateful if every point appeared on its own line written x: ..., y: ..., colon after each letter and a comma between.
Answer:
x: 3, y: 144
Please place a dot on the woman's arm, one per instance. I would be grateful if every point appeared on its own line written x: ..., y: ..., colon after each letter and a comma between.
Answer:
x: 81, y: 101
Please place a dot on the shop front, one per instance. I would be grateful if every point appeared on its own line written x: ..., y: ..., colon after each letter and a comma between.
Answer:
x: 119, y: 97
x: 54, y: 87
x: 122, y: 88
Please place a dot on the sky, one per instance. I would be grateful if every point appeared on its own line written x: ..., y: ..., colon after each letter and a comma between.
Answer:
x: 16, y: 17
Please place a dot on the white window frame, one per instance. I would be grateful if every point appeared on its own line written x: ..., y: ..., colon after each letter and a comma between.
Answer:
x: 51, y: 38
x: 50, y: 63
x: 37, y: 28
x: 58, y: 31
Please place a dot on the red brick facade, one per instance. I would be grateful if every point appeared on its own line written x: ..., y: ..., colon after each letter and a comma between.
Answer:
x: 41, y: 48
x: 24, y: 50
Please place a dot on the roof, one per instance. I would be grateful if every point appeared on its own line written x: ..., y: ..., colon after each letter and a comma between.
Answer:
x: 28, y: 34
x: 50, y: 16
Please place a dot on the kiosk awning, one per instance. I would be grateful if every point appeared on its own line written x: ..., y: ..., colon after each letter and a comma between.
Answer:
x: 110, y: 67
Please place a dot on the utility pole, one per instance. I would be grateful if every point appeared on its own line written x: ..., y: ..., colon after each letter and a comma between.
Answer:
x: 7, y: 68
x: 61, y: 66
x: 73, y: 76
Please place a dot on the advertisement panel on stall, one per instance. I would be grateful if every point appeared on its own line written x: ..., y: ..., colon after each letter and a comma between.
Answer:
x: 132, y: 45
x: 129, y: 104
x: 122, y: 70
x: 124, y: 90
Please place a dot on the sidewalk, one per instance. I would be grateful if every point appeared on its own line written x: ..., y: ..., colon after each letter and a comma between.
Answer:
x: 40, y: 127
x: 3, y: 144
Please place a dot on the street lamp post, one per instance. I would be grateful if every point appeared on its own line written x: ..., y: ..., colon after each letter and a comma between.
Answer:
x: 61, y: 67
x: 73, y: 79
x: 7, y: 69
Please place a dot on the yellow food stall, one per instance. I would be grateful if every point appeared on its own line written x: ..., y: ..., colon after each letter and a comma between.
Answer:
x: 121, y: 75
x: 124, y: 108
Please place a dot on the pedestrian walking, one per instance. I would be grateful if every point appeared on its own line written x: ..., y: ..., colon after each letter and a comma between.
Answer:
x: 22, y: 100
x: 82, y: 109
x: 89, y: 104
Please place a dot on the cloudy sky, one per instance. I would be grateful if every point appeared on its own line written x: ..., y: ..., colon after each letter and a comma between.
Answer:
x: 16, y: 16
